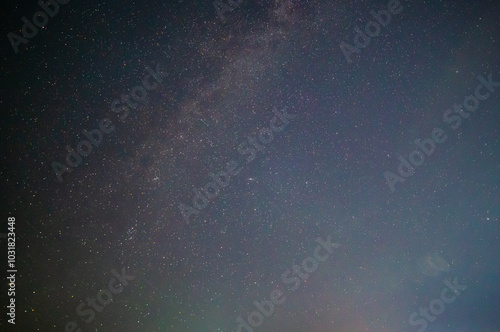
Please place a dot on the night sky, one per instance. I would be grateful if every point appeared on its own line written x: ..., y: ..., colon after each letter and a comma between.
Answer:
x: 240, y: 165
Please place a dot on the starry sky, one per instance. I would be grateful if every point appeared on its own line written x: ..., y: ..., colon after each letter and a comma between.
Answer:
x: 236, y: 143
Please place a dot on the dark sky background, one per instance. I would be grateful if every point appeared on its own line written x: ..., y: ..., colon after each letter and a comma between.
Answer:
x: 321, y: 176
